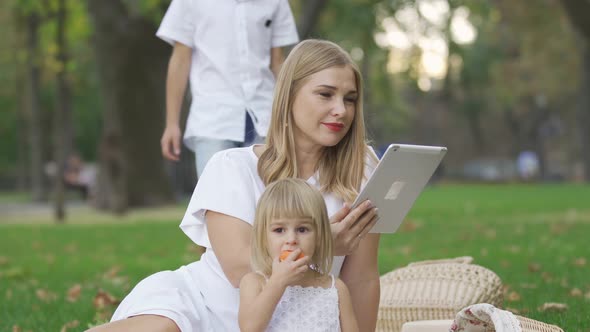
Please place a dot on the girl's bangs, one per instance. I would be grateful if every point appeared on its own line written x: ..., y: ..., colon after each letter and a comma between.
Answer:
x: 291, y: 204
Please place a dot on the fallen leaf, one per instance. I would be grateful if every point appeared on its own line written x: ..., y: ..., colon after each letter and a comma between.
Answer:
x: 514, y: 249
x: 73, y: 293
x: 547, y: 277
x: 580, y: 262
x: 575, y: 292
x: 587, y: 295
x: 553, y: 306
x: 558, y: 228
x: 103, y: 299
x: 50, y: 259
x: 45, y: 295
x: 119, y: 280
x: 534, y: 267
x: 4, y: 260
x: 16, y: 328
x: 406, y: 250
x: 409, y: 226
x: 112, y: 272
x: 71, y: 248
x: 564, y: 283
x: 491, y: 234
x: 513, y: 296
x: 69, y: 325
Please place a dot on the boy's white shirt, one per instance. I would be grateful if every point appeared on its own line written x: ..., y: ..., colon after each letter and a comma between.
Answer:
x: 230, y: 69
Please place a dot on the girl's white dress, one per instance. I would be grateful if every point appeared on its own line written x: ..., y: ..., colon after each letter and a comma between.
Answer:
x: 198, y: 296
x: 307, y: 309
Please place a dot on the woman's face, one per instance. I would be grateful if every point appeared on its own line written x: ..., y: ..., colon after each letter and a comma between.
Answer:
x: 324, y: 107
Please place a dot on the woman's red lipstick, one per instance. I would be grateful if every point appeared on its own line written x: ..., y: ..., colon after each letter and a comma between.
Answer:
x: 333, y: 126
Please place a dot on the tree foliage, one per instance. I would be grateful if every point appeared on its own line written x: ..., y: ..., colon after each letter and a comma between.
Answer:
x: 524, y: 66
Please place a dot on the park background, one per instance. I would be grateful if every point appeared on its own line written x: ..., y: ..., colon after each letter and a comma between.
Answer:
x: 487, y: 79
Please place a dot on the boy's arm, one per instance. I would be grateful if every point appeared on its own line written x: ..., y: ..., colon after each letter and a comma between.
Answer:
x: 176, y: 81
x: 348, y: 321
x: 257, y: 302
x: 277, y: 57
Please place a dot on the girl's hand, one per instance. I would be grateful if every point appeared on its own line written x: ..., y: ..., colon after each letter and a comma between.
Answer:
x: 290, y: 270
x: 350, y: 226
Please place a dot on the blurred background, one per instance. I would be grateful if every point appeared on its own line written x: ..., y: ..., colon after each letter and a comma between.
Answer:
x: 503, y: 84
x: 88, y: 206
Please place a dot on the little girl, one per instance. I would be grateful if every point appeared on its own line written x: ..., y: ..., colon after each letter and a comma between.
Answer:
x: 292, y: 289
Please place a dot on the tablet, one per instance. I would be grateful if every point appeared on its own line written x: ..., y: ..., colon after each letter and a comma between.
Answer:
x: 397, y: 181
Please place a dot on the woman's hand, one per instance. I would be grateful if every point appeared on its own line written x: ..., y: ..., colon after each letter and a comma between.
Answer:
x: 350, y: 226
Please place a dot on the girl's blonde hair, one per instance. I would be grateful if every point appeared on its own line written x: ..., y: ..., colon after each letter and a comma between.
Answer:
x: 286, y: 199
x: 341, y: 167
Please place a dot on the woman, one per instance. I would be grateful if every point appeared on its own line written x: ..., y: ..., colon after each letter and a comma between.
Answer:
x: 317, y: 134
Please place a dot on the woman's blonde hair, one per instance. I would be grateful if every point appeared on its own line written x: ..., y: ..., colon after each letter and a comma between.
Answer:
x: 341, y: 167
x: 286, y: 199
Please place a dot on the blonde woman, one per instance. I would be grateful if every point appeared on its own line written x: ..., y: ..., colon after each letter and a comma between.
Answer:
x: 292, y: 288
x: 317, y: 133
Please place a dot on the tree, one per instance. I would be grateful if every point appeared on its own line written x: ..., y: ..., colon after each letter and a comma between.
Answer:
x: 32, y: 21
x: 577, y: 11
x: 132, y: 70
x: 309, y: 17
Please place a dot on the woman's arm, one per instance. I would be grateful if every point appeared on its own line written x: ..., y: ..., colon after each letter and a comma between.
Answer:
x: 361, y: 275
x: 348, y: 321
x: 230, y: 239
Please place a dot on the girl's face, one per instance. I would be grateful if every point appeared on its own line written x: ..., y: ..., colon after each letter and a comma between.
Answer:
x: 291, y: 234
x: 324, y: 107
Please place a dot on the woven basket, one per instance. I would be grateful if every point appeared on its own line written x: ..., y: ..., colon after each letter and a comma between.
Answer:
x: 531, y: 325
x: 526, y: 324
x: 433, y: 290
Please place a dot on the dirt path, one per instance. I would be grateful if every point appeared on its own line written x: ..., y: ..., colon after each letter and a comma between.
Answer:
x: 79, y: 212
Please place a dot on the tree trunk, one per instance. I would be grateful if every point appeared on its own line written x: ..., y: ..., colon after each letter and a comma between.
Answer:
x: 38, y: 190
x: 577, y: 11
x: 515, y: 128
x: 583, y: 110
x: 132, y: 66
x: 63, y: 124
x: 474, y: 125
x: 310, y: 17
x: 21, y: 132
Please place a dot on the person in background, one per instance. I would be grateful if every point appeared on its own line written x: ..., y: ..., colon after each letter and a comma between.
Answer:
x: 317, y: 133
x: 79, y: 175
x: 230, y: 49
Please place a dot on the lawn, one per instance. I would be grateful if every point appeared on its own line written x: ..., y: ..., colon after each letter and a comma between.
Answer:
x: 535, y: 237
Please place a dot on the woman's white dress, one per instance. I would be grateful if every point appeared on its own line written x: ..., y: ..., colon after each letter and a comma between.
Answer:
x: 198, y: 296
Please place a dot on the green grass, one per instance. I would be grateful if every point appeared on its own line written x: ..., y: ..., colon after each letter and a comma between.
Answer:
x: 535, y: 237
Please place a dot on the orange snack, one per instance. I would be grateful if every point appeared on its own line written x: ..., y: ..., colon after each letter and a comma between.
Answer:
x: 286, y: 253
